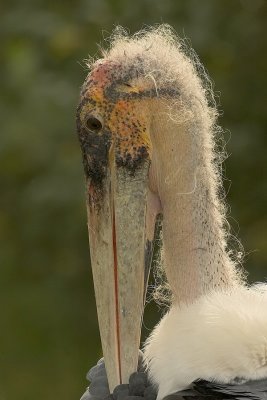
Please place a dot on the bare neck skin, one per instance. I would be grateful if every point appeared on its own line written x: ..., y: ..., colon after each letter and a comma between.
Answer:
x: 194, y: 249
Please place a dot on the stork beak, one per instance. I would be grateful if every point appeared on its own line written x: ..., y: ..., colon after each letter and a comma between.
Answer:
x: 120, y: 234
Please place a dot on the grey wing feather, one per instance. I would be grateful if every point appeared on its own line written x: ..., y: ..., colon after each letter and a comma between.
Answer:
x: 199, y: 390
x: 253, y: 390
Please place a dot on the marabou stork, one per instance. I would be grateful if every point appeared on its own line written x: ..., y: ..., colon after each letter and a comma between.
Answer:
x: 147, y: 128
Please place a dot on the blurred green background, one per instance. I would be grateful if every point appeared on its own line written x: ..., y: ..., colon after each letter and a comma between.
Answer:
x: 48, y: 327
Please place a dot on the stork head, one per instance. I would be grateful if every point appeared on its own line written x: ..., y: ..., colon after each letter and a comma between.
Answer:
x: 126, y: 133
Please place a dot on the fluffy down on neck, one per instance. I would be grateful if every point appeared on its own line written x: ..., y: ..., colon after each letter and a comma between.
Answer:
x: 220, y: 337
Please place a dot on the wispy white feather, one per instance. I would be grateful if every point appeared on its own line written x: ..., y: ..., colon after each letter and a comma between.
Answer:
x: 222, y: 336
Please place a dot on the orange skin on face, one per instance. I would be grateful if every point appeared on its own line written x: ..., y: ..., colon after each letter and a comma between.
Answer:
x: 99, y: 78
x: 130, y: 123
x: 125, y: 118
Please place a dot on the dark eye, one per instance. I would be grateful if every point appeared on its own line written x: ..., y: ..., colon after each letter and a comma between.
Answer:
x: 93, y: 124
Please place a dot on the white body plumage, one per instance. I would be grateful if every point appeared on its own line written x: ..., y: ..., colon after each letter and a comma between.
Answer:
x: 222, y: 336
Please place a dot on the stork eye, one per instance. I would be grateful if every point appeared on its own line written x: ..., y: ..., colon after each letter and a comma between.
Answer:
x: 93, y: 124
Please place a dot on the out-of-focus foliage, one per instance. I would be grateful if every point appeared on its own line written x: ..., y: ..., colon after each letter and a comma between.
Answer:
x: 48, y: 326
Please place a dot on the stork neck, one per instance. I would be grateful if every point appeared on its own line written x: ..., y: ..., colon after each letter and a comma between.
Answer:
x: 194, y: 248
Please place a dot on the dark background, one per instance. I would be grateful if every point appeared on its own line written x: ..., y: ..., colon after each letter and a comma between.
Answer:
x: 48, y: 327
